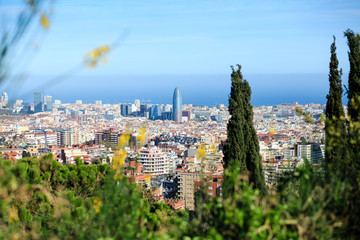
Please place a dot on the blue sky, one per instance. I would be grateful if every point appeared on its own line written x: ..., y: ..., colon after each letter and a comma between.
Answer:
x: 173, y: 37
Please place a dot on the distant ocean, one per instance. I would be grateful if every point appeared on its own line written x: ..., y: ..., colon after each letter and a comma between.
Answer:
x: 267, y: 89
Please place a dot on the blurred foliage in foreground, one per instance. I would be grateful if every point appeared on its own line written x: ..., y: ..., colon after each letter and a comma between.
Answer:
x: 41, y: 199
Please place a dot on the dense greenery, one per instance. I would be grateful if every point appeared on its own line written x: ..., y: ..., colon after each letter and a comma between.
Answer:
x: 41, y: 199
x: 241, y: 152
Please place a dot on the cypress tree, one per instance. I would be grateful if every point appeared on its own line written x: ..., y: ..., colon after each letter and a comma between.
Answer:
x: 354, y: 75
x: 354, y: 103
x: 234, y: 148
x: 335, y: 129
x: 252, y: 149
x: 241, y: 153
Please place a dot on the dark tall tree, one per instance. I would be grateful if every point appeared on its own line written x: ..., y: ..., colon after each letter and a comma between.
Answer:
x: 354, y: 75
x: 234, y: 150
x: 241, y: 155
x: 354, y: 102
x: 335, y: 129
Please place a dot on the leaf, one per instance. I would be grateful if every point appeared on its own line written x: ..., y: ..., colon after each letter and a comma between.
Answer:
x: 45, y: 22
x: 93, y: 57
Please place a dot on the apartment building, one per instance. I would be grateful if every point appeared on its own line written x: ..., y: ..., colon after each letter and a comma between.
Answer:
x: 154, y: 161
x: 38, y: 138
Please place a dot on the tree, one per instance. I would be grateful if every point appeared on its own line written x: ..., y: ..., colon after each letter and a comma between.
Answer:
x: 335, y: 129
x: 241, y: 153
x: 354, y: 75
x: 354, y: 102
x: 25, y: 154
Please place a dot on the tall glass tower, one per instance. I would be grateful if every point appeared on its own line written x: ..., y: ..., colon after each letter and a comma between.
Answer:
x: 177, y: 105
x: 155, y: 112
x: 38, y: 102
x: 48, y: 100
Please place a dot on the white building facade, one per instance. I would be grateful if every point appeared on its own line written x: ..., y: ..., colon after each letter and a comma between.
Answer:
x: 154, y: 161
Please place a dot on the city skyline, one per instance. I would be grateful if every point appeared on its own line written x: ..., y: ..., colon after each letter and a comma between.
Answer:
x: 48, y: 99
x: 205, y: 90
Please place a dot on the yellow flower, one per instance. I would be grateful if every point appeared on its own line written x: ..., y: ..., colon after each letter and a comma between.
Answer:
x: 13, y: 214
x: 45, y: 22
x: 142, y: 135
x: 124, y: 141
x: 118, y: 175
x: 212, y: 149
x: 93, y: 57
x: 272, y: 131
x: 97, y: 204
x: 200, y: 152
x: 147, y: 178
x: 119, y: 159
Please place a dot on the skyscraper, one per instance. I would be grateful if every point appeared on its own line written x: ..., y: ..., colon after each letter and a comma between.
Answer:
x: 38, y: 102
x: 48, y: 100
x: 177, y: 105
x: 125, y: 109
x: 155, y: 112
x: 4, y: 98
x: 137, y: 104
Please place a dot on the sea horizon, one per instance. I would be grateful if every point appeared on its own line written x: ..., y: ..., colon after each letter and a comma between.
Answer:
x: 202, y: 90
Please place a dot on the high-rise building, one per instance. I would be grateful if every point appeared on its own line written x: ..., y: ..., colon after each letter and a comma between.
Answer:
x: 79, y: 102
x: 38, y: 102
x: 4, y: 98
x: 313, y: 152
x: 177, y: 105
x: 155, y: 112
x: 143, y: 110
x: 19, y: 102
x: 125, y: 109
x: 187, y: 187
x: 48, y: 100
x: 38, y: 138
x: 57, y: 103
x: 166, y: 116
x: 98, y: 102
x: 154, y: 161
x: 186, y: 115
x: 110, y: 136
x: 67, y: 138
x: 137, y: 104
